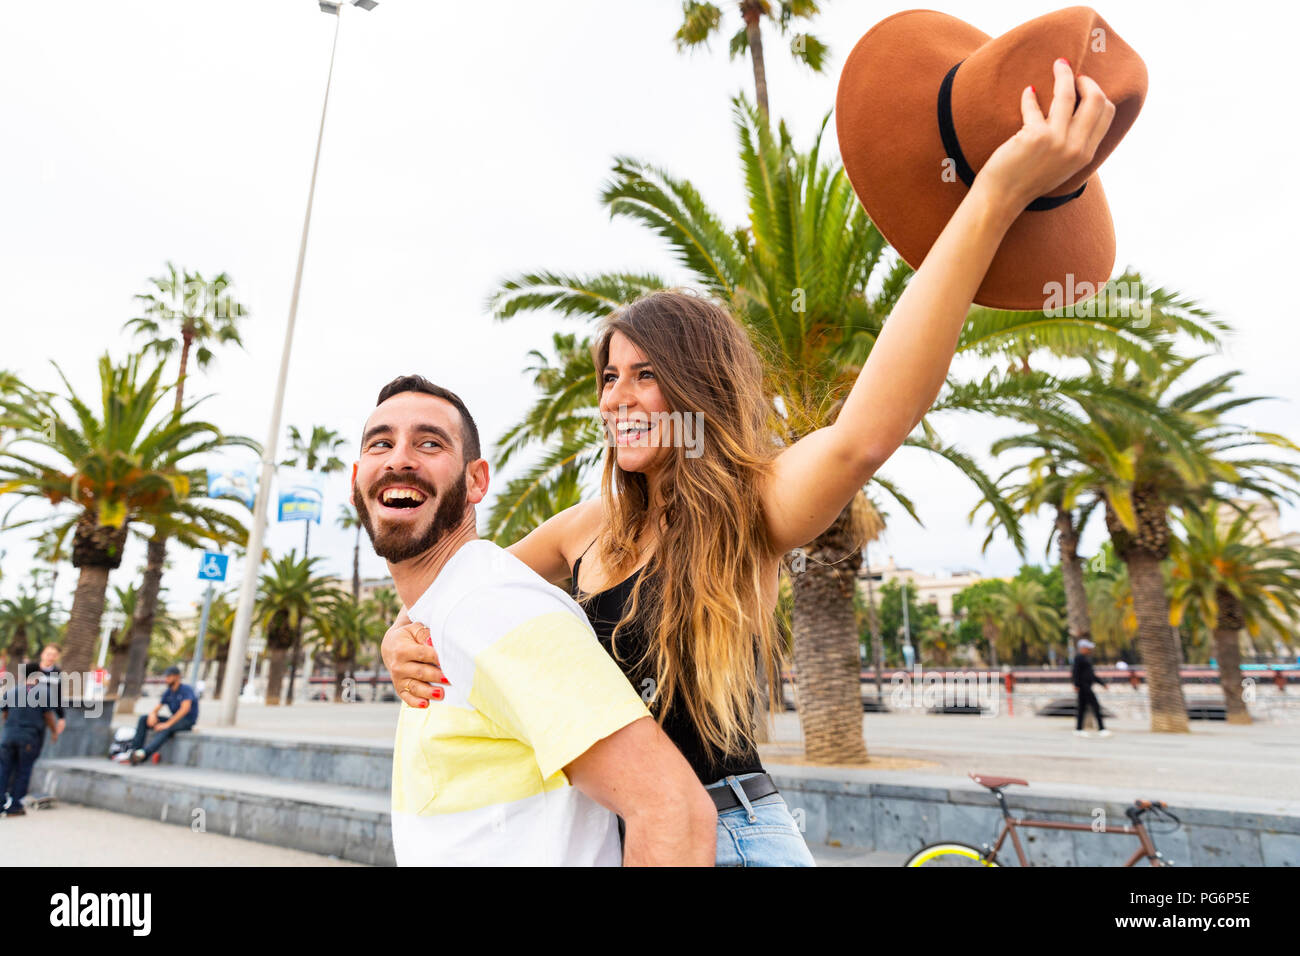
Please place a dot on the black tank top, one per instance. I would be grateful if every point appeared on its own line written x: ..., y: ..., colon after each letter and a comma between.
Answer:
x: 604, y: 610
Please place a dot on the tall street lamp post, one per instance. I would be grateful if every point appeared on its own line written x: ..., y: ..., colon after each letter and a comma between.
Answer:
x: 253, y: 555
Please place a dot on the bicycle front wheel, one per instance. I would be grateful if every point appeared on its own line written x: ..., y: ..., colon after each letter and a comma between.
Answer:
x: 948, y: 854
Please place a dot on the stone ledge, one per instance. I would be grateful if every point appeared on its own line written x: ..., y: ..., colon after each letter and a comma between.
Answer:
x: 896, y: 812
x: 345, y: 822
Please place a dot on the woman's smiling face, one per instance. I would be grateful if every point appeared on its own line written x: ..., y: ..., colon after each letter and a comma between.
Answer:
x: 633, y: 408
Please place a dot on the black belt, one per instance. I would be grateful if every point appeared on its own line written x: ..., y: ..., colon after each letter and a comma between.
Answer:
x: 724, y: 797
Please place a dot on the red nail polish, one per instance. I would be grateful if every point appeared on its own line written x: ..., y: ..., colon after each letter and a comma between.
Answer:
x: 1033, y: 89
x: 1063, y: 60
x: 437, y: 693
x: 424, y: 703
x: 443, y: 680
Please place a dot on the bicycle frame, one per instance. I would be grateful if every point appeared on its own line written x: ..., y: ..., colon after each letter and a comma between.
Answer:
x: 1146, y: 848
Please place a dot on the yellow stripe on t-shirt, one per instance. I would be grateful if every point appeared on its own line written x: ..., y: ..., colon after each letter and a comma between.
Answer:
x: 523, y: 682
x: 523, y: 725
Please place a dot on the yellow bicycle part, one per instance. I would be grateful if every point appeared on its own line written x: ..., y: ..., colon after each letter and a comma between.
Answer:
x: 930, y: 853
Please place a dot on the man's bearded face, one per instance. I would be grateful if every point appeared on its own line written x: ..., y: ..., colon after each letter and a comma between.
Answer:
x: 406, y: 516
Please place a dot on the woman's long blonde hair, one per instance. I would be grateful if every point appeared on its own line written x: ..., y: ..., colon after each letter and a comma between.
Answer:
x: 699, y: 597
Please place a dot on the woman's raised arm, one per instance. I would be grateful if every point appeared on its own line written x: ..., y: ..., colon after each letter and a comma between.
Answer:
x: 816, y: 477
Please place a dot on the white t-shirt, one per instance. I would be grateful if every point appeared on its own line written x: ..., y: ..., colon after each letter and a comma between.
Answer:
x: 477, y: 776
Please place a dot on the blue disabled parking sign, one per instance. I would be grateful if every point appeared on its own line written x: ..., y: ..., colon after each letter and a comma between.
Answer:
x: 213, y: 566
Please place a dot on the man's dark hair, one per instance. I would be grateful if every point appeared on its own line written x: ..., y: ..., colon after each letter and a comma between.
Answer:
x: 418, y: 383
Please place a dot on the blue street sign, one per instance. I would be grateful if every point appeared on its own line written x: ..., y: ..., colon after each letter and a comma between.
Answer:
x: 213, y: 566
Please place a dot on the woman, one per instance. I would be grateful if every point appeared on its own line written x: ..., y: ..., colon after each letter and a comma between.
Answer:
x: 677, y: 563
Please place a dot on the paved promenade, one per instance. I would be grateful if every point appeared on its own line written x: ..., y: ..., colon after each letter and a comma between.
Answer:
x: 1215, y: 758
x: 70, y: 835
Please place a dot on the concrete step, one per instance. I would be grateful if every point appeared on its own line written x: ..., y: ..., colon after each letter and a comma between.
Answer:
x: 364, y: 766
x: 347, y: 822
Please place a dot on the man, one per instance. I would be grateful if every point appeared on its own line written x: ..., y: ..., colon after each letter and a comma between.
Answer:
x: 183, y: 707
x: 538, y: 740
x: 1084, y: 677
x: 27, y: 712
x: 50, y: 655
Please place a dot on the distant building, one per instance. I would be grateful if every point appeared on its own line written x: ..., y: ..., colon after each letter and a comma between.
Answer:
x: 928, y: 588
x: 370, y: 585
x: 1267, y: 518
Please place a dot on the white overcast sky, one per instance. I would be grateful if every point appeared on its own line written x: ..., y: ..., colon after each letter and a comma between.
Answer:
x: 469, y: 141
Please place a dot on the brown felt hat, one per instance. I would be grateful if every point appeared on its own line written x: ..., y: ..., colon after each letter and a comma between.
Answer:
x: 925, y: 99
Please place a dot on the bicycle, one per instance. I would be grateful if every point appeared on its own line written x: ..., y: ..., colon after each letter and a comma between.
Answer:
x: 949, y: 853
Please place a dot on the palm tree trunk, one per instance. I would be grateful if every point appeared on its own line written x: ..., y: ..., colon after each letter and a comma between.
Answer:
x: 221, y: 676
x: 826, y: 661
x: 753, y: 13
x: 873, y: 623
x: 1157, y: 645
x: 83, y: 619
x: 356, y: 565
x: 17, y: 649
x: 116, y: 672
x: 340, y: 674
x: 991, y: 636
x: 146, y: 607
x: 1078, y: 621
x: 1227, y: 646
x: 1228, y: 650
x: 275, y: 675
x: 293, y: 666
x: 1142, y: 551
x: 187, y: 338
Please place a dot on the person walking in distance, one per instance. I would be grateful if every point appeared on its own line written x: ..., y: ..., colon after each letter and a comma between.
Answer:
x: 1084, y: 677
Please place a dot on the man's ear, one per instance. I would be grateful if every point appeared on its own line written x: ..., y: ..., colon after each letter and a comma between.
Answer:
x: 354, y: 475
x: 476, y: 481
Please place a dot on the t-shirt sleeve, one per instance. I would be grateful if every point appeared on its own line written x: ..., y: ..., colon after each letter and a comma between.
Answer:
x: 539, y: 672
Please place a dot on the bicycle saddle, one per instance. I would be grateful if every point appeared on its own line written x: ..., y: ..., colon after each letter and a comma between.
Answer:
x: 997, y: 783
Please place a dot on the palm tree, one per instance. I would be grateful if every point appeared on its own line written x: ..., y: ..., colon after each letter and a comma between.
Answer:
x: 342, y: 630
x: 188, y: 310
x: 700, y: 21
x: 290, y: 596
x: 979, y: 603
x: 196, y: 526
x: 216, y: 640
x: 1110, y: 605
x: 1142, y: 465
x: 347, y: 521
x: 1143, y: 328
x: 50, y: 549
x: 564, y: 417
x: 26, y: 623
x: 872, y: 529
x: 191, y: 311
x: 1230, y: 582
x: 119, y: 638
x: 111, y: 466
x: 1027, y: 621
x: 804, y: 276
x: 315, y: 454
x: 384, y: 607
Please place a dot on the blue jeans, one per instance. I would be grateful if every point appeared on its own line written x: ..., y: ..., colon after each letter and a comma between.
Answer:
x: 16, y: 759
x: 160, y: 738
x: 760, y: 832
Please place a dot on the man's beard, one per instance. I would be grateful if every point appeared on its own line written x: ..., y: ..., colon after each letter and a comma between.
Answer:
x: 399, y: 544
